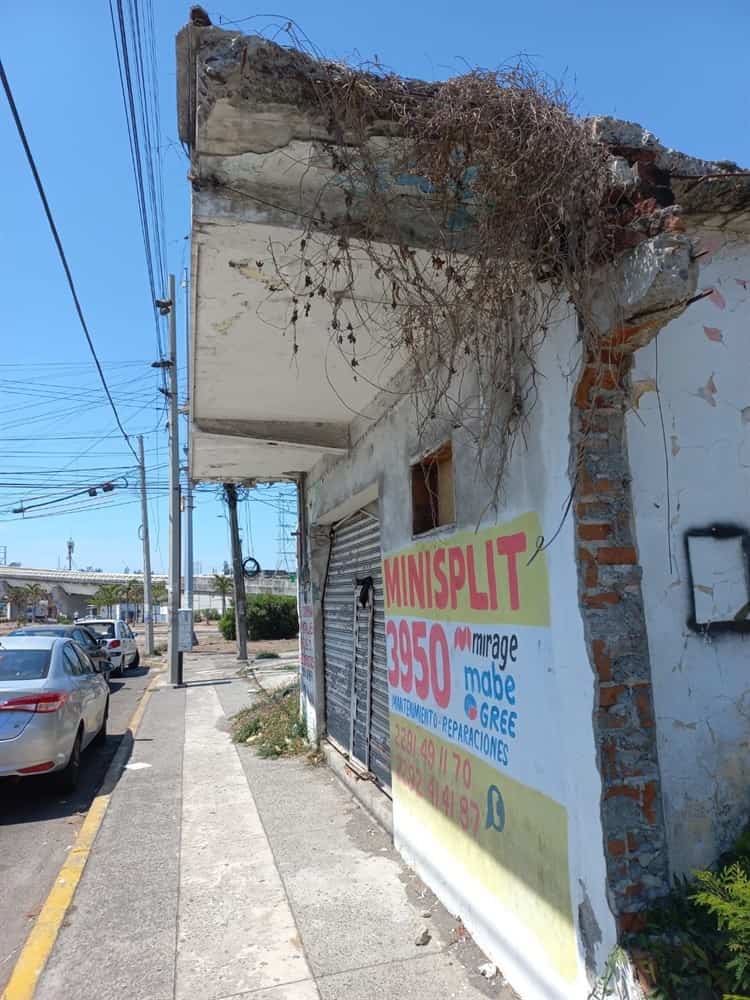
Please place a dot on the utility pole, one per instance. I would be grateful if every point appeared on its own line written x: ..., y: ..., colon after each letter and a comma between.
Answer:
x: 148, y: 618
x: 240, y: 611
x: 175, y: 594
x: 188, y: 483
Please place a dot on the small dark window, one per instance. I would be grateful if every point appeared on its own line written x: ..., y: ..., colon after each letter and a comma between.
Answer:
x: 24, y: 664
x: 86, y: 664
x: 89, y: 640
x: 72, y: 663
x: 432, y: 490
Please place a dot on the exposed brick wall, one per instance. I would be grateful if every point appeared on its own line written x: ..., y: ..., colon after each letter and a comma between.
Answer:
x: 612, y: 609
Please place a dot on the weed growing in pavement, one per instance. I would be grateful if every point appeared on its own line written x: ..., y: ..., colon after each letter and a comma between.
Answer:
x: 160, y: 649
x: 267, y: 654
x: 273, y: 726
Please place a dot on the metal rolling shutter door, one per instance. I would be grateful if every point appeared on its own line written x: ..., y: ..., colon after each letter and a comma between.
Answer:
x: 357, y: 684
x: 380, y: 735
x: 338, y: 637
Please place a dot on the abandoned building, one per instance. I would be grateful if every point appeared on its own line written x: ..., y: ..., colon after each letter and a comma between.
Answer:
x: 524, y: 599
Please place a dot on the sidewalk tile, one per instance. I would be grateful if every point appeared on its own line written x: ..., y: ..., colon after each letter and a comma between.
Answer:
x: 305, y: 989
x: 431, y: 978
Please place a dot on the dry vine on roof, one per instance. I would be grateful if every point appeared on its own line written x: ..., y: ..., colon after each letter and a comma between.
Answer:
x: 480, y: 207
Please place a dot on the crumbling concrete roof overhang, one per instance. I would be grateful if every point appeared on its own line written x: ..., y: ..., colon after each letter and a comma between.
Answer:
x: 261, y: 168
x: 242, y: 100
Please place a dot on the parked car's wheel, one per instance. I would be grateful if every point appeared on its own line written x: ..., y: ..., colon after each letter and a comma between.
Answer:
x: 136, y: 659
x: 101, y: 737
x: 67, y: 779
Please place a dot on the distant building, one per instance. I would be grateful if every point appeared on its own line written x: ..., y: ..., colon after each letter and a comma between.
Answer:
x: 70, y: 592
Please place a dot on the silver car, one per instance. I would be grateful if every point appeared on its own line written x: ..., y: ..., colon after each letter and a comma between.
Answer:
x: 53, y: 703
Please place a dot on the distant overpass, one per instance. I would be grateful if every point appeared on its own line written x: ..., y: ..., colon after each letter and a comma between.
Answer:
x: 71, y: 591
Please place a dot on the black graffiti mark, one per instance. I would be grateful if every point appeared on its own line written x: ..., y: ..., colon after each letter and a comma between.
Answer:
x: 366, y: 584
x: 495, y: 818
x: 741, y: 620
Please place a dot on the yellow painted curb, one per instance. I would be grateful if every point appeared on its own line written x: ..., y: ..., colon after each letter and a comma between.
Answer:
x: 42, y: 936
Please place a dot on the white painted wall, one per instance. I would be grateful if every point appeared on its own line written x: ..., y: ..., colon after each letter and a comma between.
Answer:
x: 701, y: 686
x: 559, y: 758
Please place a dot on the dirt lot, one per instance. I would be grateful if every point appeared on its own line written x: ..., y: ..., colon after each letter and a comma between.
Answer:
x: 210, y: 640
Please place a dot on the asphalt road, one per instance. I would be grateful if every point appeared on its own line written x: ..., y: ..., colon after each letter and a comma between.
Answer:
x: 38, y: 825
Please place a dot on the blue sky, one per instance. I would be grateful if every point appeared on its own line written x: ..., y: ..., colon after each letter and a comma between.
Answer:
x: 679, y: 70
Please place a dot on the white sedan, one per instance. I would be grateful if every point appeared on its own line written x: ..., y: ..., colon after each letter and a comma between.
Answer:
x: 53, y: 703
x: 119, y: 639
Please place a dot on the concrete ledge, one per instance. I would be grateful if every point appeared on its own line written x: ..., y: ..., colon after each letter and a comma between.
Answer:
x: 372, y: 799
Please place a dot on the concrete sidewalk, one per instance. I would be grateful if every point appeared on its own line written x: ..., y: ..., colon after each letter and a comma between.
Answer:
x: 217, y: 874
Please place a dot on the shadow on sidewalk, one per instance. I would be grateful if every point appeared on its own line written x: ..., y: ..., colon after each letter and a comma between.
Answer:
x: 36, y: 799
x: 219, y: 680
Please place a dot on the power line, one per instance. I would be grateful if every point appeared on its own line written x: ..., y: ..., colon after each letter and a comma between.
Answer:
x: 60, y: 250
x: 84, y: 508
x: 140, y: 97
x: 90, y: 490
x: 74, y: 365
x: 57, y: 415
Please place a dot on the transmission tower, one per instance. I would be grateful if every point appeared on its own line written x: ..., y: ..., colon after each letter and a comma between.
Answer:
x: 286, y: 543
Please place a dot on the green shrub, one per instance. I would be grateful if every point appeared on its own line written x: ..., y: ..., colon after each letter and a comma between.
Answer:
x: 212, y: 614
x: 269, y: 616
x: 272, y: 616
x: 726, y: 895
x: 697, y: 940
x: 226, y: 624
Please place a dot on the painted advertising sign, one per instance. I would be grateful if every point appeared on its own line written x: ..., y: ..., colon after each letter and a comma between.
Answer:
x: 473, y: 724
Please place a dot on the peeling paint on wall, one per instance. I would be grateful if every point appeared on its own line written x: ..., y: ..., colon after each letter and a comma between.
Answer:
x: 640, y: 388
x: 701, y: 681
x: 708, y: 391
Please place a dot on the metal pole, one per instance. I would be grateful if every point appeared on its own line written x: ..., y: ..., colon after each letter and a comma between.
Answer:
x: 188, y: 482
x: 148, y: 619
x: 175, y: 658
x: 240, y: 610
x: 189, y: 544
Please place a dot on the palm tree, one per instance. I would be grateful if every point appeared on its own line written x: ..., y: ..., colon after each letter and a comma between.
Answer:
x: 137, y: 598
x: 16, y: 597
x: 129, y: 591
x: 159, y: 593
x: 223, y: 586
x: 107, y: 596
x: 34, y: 593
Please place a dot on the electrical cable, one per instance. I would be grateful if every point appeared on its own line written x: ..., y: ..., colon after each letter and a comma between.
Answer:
x: 60, y: 250
x: 141, y: 106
